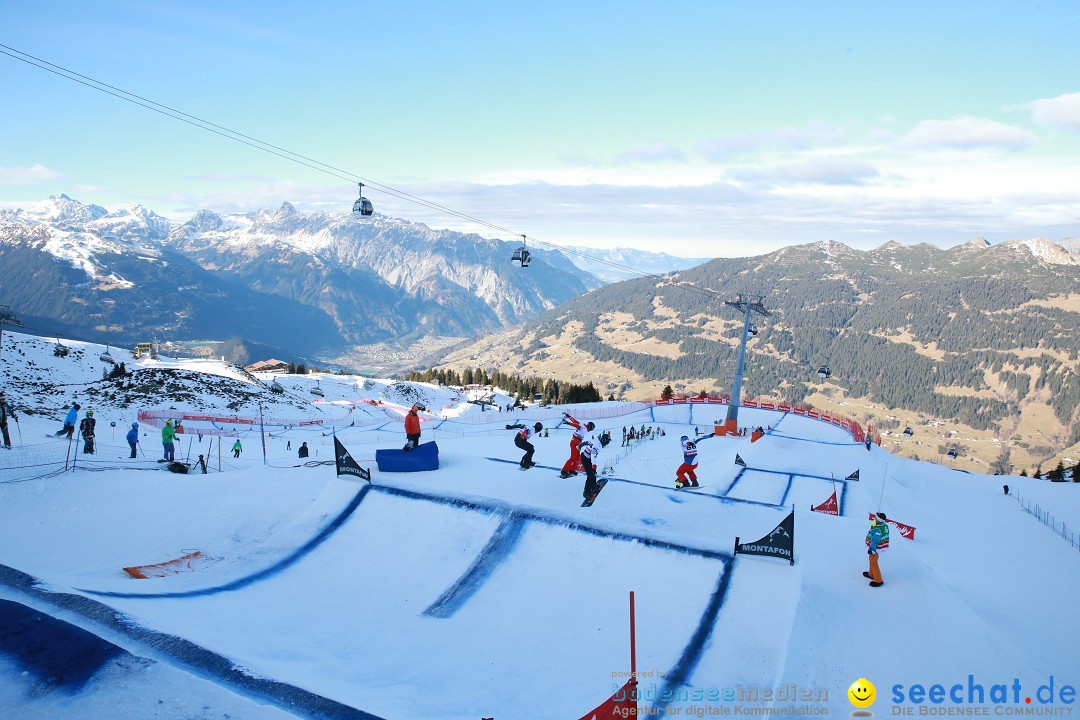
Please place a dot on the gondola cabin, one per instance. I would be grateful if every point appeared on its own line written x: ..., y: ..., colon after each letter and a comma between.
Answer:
x: 60, y: 350
x: 521, y: 256
x: 908, y: 431
x: 952, y: 452
x: 362, y: 207
x: 275, y: 387
x: 823, y: 372
x: 752, y: 329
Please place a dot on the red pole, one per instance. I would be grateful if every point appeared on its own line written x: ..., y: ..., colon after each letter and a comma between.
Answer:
x: 633, y: 641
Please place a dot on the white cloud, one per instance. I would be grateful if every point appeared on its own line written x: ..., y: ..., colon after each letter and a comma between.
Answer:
x: 27, y: 175
x: 820, y: 171
x: 965, y: 133
x: 654, y: 153
x: 719, y: 149
x: 1060, y: 112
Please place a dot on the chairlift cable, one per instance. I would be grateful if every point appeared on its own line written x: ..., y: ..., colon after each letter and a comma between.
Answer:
x: 311, y: 163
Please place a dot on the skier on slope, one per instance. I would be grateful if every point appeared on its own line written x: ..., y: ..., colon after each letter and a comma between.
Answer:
x: 132, y: 438
x: 521, y: 439
x: 86, y: 429
x: 589, y: 454
x: 412, y: 429
x: 685, y: 475
x: 570, y: 467
x: 236, y: 448
x: 6, y: 411
x: 69, y: 421
x: 168, y: 436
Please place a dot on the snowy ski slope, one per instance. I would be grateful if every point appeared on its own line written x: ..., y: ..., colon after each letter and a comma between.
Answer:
x: 479, y: 590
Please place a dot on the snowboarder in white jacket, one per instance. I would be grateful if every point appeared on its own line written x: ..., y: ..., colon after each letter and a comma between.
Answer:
x: 685, y: 475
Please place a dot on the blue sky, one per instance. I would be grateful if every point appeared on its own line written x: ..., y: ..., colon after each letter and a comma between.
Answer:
x: 698, y: 128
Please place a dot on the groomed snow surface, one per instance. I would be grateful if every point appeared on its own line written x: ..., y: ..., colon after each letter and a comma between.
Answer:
x: 478, y: 590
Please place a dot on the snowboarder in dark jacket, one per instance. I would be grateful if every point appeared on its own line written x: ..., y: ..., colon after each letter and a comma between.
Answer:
x: 303, y: 451
x: 521, y: 439
x: 5, y: 413
x: 86, y: 429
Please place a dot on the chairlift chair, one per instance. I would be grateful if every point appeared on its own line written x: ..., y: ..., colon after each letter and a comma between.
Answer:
x: 106, y: 357
x: 60, y: 349
x: 275, y: 387
x: 362, y: 207
x: 317, y: 391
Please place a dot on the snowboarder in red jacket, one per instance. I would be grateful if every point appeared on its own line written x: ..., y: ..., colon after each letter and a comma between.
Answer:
x: 573, y: 465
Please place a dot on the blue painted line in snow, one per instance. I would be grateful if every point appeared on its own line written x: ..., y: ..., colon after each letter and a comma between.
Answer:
x: 518, y: 462
x: 691, y: 654
x: 790, y: 480
x: 816, y: 442
x: 499, y: 547
x: 777, y: 423
x: 735, y: 480
x: 843, y: 498
x: 530, y: 515
x: 189, y: 656
x: 798, y: 474
x: 652, y: 415
x: 274, y: 569
x: 57, y: 653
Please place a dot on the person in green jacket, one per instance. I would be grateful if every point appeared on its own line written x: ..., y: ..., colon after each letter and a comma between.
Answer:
x: 168, y: 435
x: 236, y: 448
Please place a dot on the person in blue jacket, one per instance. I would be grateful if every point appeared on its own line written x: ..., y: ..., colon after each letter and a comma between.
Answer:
x: 69, y: 421
x: 133, y: 437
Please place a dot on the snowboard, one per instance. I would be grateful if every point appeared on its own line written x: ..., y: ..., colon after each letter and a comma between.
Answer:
x: 691, y: 487
x: 588, y: 503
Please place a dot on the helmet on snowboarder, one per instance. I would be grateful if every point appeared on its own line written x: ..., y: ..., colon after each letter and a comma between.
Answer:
x: 684, y: 437
x: 589, y: 426
x: 135, y: 425
x: 89, y: 413
x: 538, y: 427
x: 168, y: 422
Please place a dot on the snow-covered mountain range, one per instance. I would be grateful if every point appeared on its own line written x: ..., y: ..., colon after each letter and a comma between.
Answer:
x: 306, y: 282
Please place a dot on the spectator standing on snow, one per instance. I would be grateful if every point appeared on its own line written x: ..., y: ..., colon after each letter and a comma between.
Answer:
x: 69, y: 421
x: 168, y: 436
x: 5, y: 413
x: 571, y: 465
x: 521, y: 439
x: 133, y: 438
x: 589, y: 453
x: 877, y: 542
x: 86, y: 429
x: 412, y: 429
x: 685, y: 475
x: 303, y: 451
x: 236, y: 448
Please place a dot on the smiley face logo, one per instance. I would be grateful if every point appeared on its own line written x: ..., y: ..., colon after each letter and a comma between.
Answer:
x: 862, y: 693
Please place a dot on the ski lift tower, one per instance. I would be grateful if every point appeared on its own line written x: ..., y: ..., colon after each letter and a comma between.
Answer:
x: 747, y: 305
x: 8, y: 317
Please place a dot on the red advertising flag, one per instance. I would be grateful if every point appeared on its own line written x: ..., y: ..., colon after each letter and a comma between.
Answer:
x: 905, y: 530
x: 829, y: 507
x: 620, y: 705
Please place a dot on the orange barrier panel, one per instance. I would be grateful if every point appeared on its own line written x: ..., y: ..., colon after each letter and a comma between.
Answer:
x: 169, y: 567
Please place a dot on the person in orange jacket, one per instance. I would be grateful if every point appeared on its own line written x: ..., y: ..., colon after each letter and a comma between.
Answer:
x: 412, y: 429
